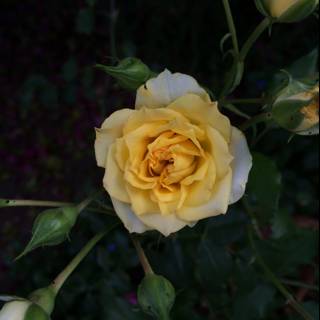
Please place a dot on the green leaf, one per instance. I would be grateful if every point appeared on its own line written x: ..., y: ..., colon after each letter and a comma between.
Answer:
x: 131, y: 73
x: 264, y: 186
x: 214, y: 265
x: 85, y: 21
x: 286, y: 254
x: 255, y: 304
x: 226, y: 229
x: 51, y: 228
x: 305, y: 67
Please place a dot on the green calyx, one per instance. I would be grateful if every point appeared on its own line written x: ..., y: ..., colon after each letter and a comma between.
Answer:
x: 131, y: 73
x: 35, y: 312
x: 45, y: 298
x: 156, y: 296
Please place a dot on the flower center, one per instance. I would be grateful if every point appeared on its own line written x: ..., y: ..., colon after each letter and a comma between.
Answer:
x: 171, y: 158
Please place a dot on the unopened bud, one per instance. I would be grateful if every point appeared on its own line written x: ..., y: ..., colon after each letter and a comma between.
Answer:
x: 131, y: 73
x: 156, y: 296
x: 296, y: 108
x: 287, y: 11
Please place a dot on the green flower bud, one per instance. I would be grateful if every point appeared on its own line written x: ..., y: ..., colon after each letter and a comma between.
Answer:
x: 156, y: 296
x: 52, y: 227
x: 131, y: 73
x: 296, y: 108
x: 22, y: 310
x: 287, y: 11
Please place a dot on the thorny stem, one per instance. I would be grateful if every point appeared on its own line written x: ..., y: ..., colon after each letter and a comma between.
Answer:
x: 142, y: 256
x: 277, y: 283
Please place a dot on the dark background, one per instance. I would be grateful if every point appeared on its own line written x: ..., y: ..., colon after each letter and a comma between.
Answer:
x: 51, y: 98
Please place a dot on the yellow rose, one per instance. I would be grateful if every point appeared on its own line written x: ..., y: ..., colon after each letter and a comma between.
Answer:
x: 174, y: 160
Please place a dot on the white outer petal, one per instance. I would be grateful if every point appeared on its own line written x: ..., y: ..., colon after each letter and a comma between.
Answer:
x: 140, y: 224
x: 241, y: 164
x: 166, y: 88
x: 110, y: 130
x: 14, y: 310
x: 129, y: 219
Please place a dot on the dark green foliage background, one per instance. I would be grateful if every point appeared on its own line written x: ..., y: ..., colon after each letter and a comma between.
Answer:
x: 51, y: 98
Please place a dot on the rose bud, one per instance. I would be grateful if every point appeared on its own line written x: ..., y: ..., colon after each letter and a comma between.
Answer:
x: 287, y: 11
x: 296, y: 108
x: 131, y: 73
x: 22, y: 310
x: 156, y: 296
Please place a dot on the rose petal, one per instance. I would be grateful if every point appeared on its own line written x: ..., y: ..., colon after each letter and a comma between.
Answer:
x: 200, y: 112
x: 166, y: 88
x: 164, y: 224
x: 129, y: 219
x: 241, y: 164
x: 113, y: 180
x: 110, y: 130
x: 216, y: 206
x: 140, y: 224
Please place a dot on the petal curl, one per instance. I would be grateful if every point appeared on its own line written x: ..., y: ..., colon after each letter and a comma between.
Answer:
x: 110, y: 130
x: 129, y: 219
x: 166, y: 88
x: 241, y: 164
x: 166, y: 225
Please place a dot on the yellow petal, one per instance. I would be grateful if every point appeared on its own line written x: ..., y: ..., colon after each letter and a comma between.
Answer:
x: 202, y: 113
x: 218, y: 204
x: 202, y: 188
x: 113, y: 180
x: 145, y: 115
x: 166, y: 88
x: 141, y: 202
x: 111, y: 130
x: 219, y: 149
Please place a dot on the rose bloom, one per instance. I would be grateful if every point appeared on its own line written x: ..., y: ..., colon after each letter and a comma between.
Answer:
x: 174, y: 160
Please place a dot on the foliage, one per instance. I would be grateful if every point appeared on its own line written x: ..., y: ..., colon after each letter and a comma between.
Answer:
x: 46, y: 142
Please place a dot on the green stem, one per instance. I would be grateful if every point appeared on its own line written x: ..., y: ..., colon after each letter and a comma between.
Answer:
x: 32, y: 203
x: 298, y: 284
x: 142, y: 256
x: 65, y: 274
x: 263, y: 117
x: 231, y: 26
x: 277, y: 283
x: 253, y: 217
x: 253, y: 38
